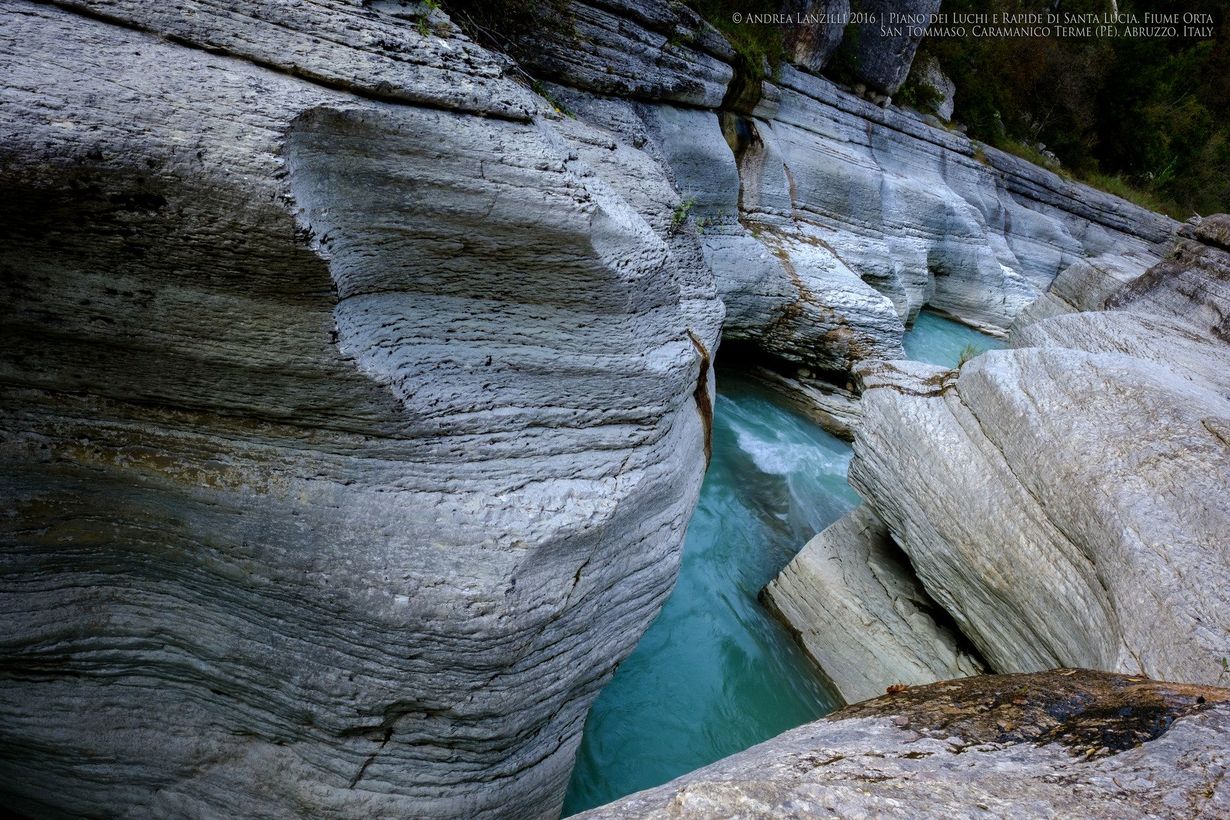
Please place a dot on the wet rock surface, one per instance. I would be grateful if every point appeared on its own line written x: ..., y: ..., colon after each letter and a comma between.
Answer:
x: 817, y: 210
x: 1068, y: 742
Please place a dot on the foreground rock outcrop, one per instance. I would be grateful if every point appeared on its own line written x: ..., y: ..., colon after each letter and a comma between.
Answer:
x: 1066, y: 743
x: 350, y: 420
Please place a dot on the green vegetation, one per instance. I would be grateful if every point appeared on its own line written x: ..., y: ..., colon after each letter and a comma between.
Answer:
x: 541, y: 90
x: 759, y: 48
x: 1028, y: 152
x: 968, y: 352
x: 918, y: 94
x: 1143, y: 118
x: 679, y: 217
x: 428, y: 7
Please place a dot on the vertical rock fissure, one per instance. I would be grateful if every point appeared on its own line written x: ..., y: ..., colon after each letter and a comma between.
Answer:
x: 704, y: 405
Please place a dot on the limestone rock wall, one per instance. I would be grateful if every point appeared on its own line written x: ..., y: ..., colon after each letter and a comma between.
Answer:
x: 812, y: 45
x: 348, y: 429
x: 862, y: 615
x: 1067, y: 500
x: 828, y: 221
x: 355, y: 397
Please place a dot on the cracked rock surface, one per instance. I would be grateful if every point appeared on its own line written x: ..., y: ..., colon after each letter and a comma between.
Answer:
x: 1067, y: 500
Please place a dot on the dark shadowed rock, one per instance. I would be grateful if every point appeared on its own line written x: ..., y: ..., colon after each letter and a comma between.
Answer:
x: 811, y: 45
x: 1067, y: 500
x: 882, y: 59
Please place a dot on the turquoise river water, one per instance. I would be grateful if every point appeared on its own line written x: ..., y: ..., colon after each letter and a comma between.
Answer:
x: 937, y: 340
x: 715, y: 673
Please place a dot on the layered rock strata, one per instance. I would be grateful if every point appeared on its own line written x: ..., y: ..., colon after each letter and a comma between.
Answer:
x: 861, y: 614
x: 1065, y: 501
x: 828, y: 221
x: 1067, y: 743
x: 351, y: 420
x: 356, y: 397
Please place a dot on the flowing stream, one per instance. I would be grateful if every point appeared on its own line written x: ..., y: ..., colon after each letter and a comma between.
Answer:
x: 715, y: 673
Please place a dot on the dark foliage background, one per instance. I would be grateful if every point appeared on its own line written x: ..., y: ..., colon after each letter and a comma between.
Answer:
x: 1146, y: 118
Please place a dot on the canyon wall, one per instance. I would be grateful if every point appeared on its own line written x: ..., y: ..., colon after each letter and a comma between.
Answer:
x: 356, y: 397
x: 1062, y: 502
x: 828, y: 220
x: 351, y: 421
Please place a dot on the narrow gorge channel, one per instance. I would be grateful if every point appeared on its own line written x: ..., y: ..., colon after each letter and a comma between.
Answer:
x: 716, y: 673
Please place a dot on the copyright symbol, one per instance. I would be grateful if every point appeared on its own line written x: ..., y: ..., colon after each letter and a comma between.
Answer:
x: 736, y: 18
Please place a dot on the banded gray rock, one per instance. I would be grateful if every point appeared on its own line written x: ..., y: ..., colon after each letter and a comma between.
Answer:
x: 355, y: 399
x: 860, y: 613
x: 1066, y: 500
x: 351, y: 420
x: 920, y: 214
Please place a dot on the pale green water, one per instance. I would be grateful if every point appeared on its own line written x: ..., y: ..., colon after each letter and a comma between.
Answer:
x: 715, y: 674
x: 937, y: 340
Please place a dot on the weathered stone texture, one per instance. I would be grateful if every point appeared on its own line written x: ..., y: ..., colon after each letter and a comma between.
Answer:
x: 1067, y: 500
x: 348, y: 438
x: 860, y: 613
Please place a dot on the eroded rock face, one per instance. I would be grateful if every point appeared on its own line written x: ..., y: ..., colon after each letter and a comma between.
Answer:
x: 349, y: 430
x: 1067, y: 500
x: 931, y: 75
x: 1064, y: 743
x: 860, y: 613
x: 821, y: 214
x: 355, y: 401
